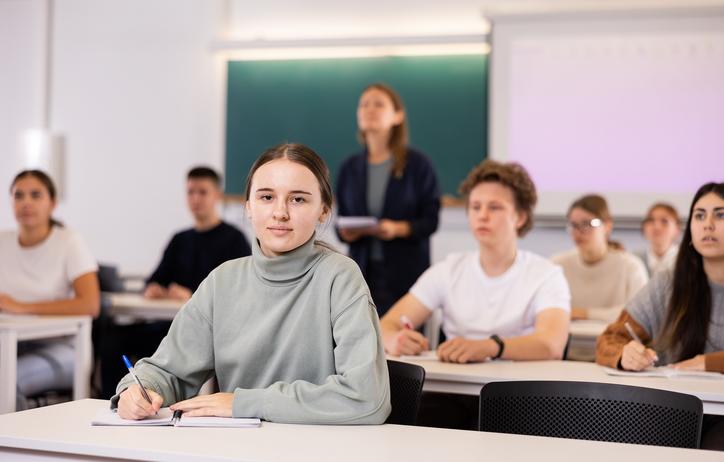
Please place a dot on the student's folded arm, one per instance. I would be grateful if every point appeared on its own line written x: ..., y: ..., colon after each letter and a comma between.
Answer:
x: 184, y: 360
x: 358, y: 393
x: 714, y: 361
x: 162, y: 274
x: 609, y: 346
x: 547, y: 341
x: 86, y: 301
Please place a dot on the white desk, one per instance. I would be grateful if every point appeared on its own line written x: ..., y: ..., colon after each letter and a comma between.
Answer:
x: 138, y: 307
x: 14, y: 328
x: 468, y: 379
x: 584, y: 334
x: 63, y: 432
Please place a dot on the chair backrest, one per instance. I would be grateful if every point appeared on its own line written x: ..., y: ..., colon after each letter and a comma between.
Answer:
x: 592, y: 411
x: 405, y: 391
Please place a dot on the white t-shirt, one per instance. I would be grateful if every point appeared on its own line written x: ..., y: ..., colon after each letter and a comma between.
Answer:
x: 44, y: 272
x: 476, y: 306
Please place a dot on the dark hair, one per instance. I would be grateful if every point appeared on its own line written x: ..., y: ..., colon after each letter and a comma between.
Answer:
x: 689, y: 312
x: 46, y: 181
x: 512, y: 175
x: 666, y: 207
x: 597, y: 206
x: 204, y: 173
x: 399, y: 134
x: 299, y: 154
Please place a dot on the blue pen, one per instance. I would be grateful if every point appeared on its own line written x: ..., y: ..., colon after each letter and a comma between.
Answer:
x: 135, y: 377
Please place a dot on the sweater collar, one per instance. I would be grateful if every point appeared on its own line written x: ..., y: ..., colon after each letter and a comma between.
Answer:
x: 287, y: 267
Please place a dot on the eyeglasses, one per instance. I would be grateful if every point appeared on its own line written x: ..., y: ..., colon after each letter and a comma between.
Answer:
x: 583, y: 226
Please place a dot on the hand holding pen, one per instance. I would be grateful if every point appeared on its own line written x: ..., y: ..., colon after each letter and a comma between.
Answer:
x: 136, y: 402
x: 636, y: 356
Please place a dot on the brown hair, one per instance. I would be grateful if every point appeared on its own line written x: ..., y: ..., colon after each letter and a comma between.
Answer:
x: 400, y: 133
x: 597, y: 206
x: 45, y: 180
x: 203, y: 172
x: 666, y: 207
x: 300, y: 154
x: 688, y: 319
x: 511, y: 175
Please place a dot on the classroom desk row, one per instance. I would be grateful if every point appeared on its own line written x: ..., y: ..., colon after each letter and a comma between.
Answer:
x: 468, y: 379
x: 63, y: 432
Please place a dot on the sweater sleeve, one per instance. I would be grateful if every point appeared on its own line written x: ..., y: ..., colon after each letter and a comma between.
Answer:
x: 428, y: 216
x: 358, y: 393
x: 609, y: 346
x: 714, y: 361
x: 163, y: 273
x: 184, y: 360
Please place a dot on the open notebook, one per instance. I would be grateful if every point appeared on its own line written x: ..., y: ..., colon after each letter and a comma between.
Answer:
x: 424, y: 356
x: 165, y: 417
x: 664, y: 371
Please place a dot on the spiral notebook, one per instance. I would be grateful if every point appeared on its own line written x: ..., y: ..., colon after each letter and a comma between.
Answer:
x: 166, y: 417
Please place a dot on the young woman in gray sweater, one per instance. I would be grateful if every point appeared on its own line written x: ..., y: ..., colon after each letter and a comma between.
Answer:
x: 290, y: 332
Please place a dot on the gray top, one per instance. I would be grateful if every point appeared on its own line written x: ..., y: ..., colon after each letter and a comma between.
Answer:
x: 296, y: 338
x: 377, y: 177
x: 650, y: 305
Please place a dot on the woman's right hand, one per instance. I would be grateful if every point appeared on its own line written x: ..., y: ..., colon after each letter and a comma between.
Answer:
x: 133, y: 406
x: 637, y: 357
x: 406, y: 342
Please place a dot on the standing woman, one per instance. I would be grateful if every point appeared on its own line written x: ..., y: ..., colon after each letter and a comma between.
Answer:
x: 661, y: 229
x: 398, y: 185
x: 45, y: 268
x: 290, y: 332
x: 680, y: 313
x: 601, y: 275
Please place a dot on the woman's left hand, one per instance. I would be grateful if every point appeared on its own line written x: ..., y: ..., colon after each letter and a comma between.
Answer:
x: 218, y: 405
x: 8, y: 304
x: 697, y: 363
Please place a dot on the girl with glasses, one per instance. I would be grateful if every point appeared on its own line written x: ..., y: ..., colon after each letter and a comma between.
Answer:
x: 601, y: 275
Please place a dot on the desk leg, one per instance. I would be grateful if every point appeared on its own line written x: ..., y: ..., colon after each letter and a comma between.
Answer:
x: 83, y: 360
x: 8, y: 370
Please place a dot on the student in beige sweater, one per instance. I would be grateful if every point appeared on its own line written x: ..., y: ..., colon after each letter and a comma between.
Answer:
x: 601, y: 275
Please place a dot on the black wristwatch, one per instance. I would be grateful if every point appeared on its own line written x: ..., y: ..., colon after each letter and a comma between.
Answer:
x: 501, y: 345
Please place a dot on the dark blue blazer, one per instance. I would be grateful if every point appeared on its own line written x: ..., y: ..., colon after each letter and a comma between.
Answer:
x: 414, y: 197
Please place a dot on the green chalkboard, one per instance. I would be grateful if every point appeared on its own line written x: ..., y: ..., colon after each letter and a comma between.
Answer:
x: 315, y: 101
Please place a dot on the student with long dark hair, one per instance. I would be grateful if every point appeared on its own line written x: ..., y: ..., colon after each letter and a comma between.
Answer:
x: 601, y: 274
x: 679, y: 315
x: 395, y: 183
x: 290, y: 332
x: 45, y: 268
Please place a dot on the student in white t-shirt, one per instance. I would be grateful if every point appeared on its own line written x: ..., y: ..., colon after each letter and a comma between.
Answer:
x: 497, y: 301
x: 45, y: 268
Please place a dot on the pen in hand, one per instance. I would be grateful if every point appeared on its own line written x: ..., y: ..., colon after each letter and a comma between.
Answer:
x: 135, y: 377
x: 406, y: 323
x: 636, y: 337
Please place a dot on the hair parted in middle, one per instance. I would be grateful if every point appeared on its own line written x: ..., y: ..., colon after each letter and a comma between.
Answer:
x: 513, y: 176
x: 300, y: 154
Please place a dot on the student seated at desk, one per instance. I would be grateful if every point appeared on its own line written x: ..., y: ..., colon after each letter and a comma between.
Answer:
x: 190, y: 256
x: 291, y: 332
x: 680, y: 312
x: 45, y: 268
x: 498, y: 301
x: 661, y: 229
x: 601, y: 275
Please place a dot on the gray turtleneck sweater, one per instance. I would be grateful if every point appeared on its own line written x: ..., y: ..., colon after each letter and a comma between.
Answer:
x: 295, y: 337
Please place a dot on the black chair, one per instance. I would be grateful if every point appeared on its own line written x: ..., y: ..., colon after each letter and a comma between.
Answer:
x: 567, y: 347
x: 592, y: 411
x: 405, y: 391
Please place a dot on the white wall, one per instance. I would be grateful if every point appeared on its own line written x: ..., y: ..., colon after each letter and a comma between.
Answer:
x: 138, y: 97
x: 22, y: 77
